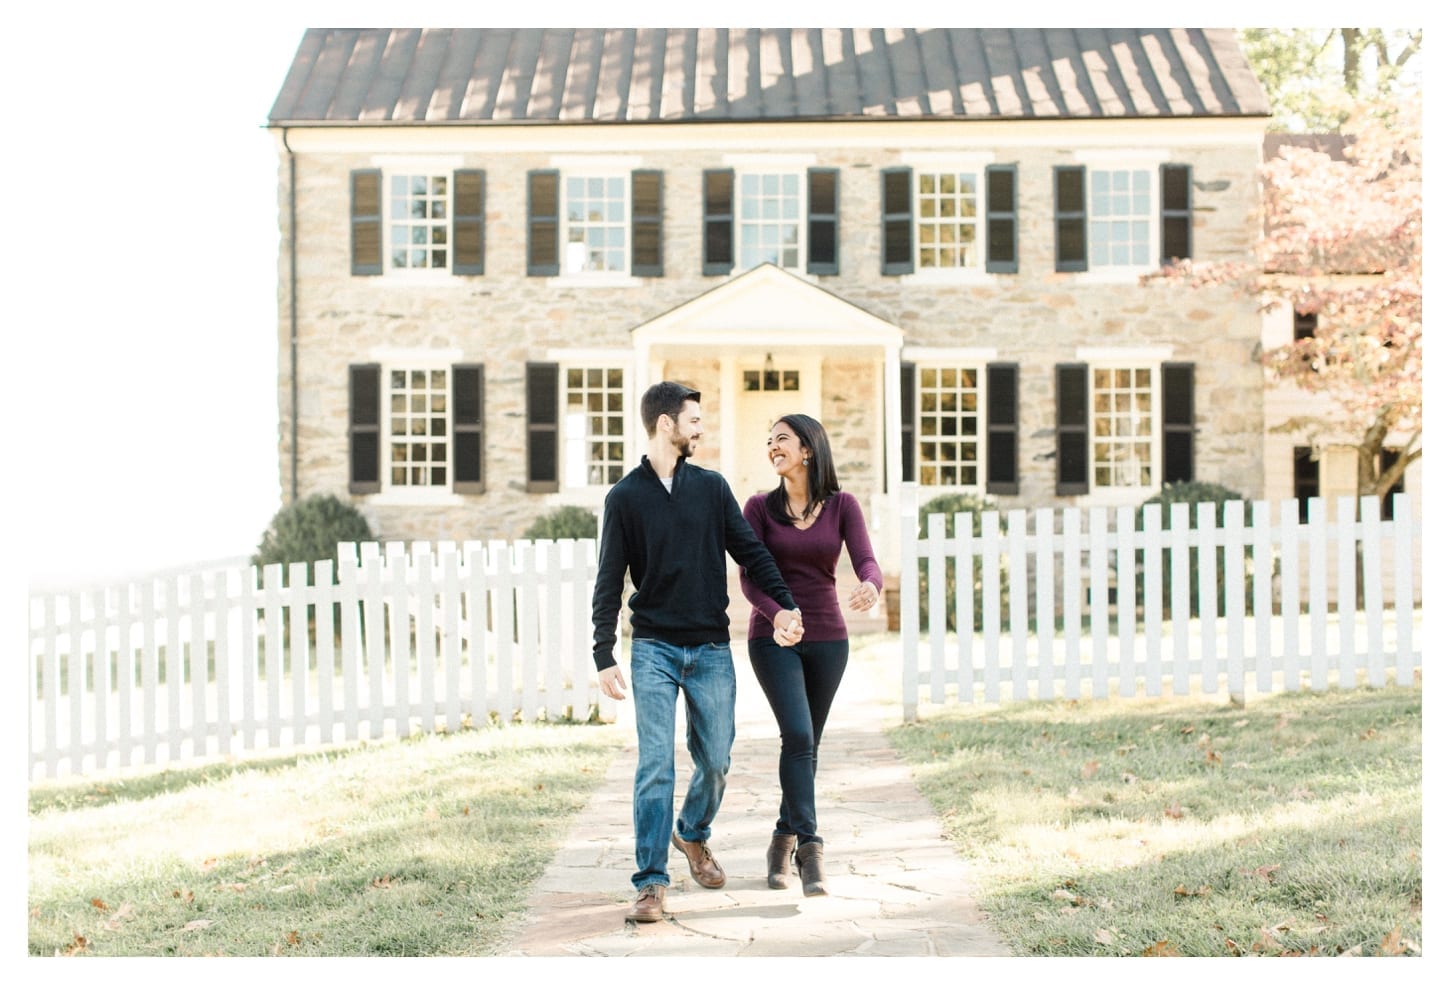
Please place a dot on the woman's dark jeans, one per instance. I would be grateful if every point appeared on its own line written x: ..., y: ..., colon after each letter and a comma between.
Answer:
x: 800, y: 683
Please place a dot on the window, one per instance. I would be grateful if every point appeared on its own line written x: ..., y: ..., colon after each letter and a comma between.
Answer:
x: 1388, y: 457
x: 1306, y: 479
x: 959, y: 426
x: 1306, y: 323
x: 1122, y: 434
x: 1111, y: 419
x: 949, y: 219
x: 1122, y: 218
x: 787, y: 218
x: 612, y: 224
x: 576, y: 426
x: 415, y: 428
x: 417, y: 221
x: 593, y: 427
x: 595, y: 226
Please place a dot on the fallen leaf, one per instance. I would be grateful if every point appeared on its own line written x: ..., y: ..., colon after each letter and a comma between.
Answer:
x: 1089, y: 769
x: 1390, y: 943
x: 1174, y: 810
x: 1162, y: 949
x: 1182, y: 890
x: 1265, y: 872
x: 99, y: 904
x: 1104, y: 936
x: 1186, y: 730
x: 1368, y: 734
x: 1353, y: 952
x: 294, y: 938
x: 196, y: 925
x: 78, y: 944
x: 124, y: 911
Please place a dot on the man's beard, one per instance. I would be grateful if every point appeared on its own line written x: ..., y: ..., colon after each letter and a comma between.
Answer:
x: 683, y: 445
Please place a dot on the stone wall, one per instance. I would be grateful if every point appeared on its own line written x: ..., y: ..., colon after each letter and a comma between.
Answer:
x: 503, y: 319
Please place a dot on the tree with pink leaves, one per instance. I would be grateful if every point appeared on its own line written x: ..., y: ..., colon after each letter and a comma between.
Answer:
x: 1343, y: 241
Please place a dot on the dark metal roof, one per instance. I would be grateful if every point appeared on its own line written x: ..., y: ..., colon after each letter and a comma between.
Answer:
x: 616, y: 75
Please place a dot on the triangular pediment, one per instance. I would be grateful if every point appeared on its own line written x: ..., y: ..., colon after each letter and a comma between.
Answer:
x: 768, y: 306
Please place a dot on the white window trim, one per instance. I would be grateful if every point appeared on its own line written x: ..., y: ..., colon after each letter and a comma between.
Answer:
x: 586, y: 359
x: 944, y: 358
x: 595, y: 166
x: 390, y: 358
x: 1150, y: 358
x: 938, y: 162
x: 1149, y: 158
x: 797, y: 164
x: 429, y: 164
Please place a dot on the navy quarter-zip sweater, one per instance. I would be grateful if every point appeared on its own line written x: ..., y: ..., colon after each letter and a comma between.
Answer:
x: 673, y: 545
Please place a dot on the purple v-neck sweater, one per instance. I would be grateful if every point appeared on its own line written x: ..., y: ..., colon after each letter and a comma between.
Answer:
x: 807, y: 559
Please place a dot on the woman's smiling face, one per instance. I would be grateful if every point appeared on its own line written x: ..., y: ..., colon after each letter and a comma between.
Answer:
x: 784, y: 450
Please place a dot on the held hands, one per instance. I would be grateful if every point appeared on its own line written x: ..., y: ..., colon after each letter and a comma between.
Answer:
x: 788, y: 627
x: 863, y: 597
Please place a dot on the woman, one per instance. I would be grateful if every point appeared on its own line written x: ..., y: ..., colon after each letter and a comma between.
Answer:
x: 804, y: 521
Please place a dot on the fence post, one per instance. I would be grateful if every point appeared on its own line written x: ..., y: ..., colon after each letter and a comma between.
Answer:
x: 910, y: 615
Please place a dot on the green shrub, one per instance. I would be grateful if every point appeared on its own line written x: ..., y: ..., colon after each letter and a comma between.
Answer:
x: 310, y: 530
x: 952, y: 504
x: 1192, y: 493
x: 564, y: 523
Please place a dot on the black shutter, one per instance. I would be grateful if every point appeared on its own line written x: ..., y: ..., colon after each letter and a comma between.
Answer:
x: 543, y: 260
x: 1070, y: 212
x: 468, y: 223
x: 364, y: 409
x: 908, y: 422
x: 896, y: 245
x: 719, y: 222
x: 823, y: 221
x: 1072, y: 429
x: 1002, y: 429
x: 647, y: 223
x: 1001, y: 218
x: 468, y: 428
x: 1177, y: 422
x: 541, y: 398
x: 1177, y: 194
x: 366, y: 207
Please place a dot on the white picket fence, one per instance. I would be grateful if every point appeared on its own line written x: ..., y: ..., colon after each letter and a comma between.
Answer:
x: 1076, y: 624
x: 224, y: 662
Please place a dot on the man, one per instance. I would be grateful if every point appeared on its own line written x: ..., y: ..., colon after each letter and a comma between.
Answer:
x: 670, y: 524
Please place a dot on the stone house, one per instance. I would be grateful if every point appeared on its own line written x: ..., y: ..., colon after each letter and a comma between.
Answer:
x: 493, y: 240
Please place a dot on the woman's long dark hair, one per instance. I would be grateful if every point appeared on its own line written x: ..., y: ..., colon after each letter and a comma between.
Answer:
x: 821, y: 482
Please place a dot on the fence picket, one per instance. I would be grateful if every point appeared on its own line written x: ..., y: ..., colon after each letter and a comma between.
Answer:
x: 936, y: 618
x: 1289, y: 600
x: 966, y: 605
x: 1346, y: 584
x: 1374, y: 614
x: 1263, y: 596
x: 1072, y: 600
x: 1318, y: 596
x: 1404, y: 591
x: 1233, y: 592
x: 1098, y: 599
x: 1153, y: 599
x: 991, y: 604
x: 1127, y: 601
x: 1178, y: 583
x: 1046, y: 603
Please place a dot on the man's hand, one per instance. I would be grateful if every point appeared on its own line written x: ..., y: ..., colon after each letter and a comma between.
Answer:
x: 611, y: 682
x: 788, y: 627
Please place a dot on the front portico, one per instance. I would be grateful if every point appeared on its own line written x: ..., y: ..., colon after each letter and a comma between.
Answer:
x: 767, y: 343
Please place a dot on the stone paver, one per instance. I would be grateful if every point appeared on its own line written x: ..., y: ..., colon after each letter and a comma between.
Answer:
x: 897, y: 885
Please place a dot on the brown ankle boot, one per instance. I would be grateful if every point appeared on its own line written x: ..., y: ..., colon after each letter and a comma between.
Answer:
x: 811, y: 866
x: 777, y: 860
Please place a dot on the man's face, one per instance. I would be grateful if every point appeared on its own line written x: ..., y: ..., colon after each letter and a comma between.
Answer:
x: 688, y: 428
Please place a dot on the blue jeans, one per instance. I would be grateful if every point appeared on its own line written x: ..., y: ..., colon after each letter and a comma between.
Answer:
x: 659, y: 671
x: 800, y: 683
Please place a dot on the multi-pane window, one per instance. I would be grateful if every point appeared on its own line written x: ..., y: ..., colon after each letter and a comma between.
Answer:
x: 770, y: 220
x: 418, y: 222
x: 1120, y: 217
x: 596, y: 212
x: 1122, y: 428
x: 948, y: 426
x: 418, y: 438
x: 946, y: 225
x: 594, y: 426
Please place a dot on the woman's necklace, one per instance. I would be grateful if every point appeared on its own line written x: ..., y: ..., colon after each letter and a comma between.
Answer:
x: 803, y: 517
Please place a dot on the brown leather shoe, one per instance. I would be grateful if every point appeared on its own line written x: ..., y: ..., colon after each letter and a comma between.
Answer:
x: 703, y: 867
x: 649, y: 905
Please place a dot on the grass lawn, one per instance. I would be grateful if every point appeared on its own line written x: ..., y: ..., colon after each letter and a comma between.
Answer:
x: 427, y: 846
x: 1291, y: 826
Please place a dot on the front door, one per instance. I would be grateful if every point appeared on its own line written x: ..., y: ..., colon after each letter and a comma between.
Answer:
x: 763, y: 394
